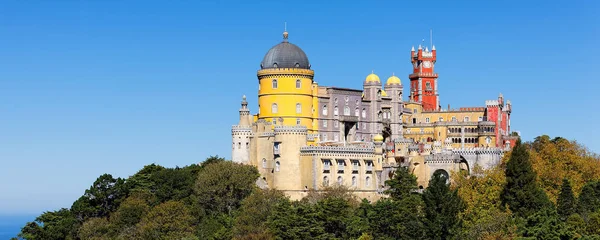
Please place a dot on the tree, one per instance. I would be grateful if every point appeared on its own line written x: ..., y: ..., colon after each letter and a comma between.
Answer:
x: 402, y: 184
x: 521, y: 192
x: 442, y: 207
x: 334, y: 215
x: 295, y: 221
x: 59, y: 224
x: 94, y: 229
x: 103, y: 197
x: 546, y: 224
x: 483, y: 217
x: 589, y: 199
x: 222, y: 186
x: 566, y: 201
x: 254, y: 212
x: 131, y: 212
x: 169, y: 220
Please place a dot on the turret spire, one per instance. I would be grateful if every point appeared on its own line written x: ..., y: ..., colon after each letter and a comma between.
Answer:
x: 285, y: 33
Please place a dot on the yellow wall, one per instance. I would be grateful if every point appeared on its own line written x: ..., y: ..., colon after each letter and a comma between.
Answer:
x: 286, y: 95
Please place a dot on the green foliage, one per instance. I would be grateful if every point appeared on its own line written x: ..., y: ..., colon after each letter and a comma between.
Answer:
x: 103, y: 197
x: 546, y: 224
x: 402, y: 184
x: 442, y: 207
x: 254, y: 211
x: 221, y: 186
x: 130, y: 212
x: 94, y: 229
x: 589, y: 199
x: 169, y: 220
x: 295, y: 221
x: 60, y: 224
x: 566, y: 201
x: 521, y: 192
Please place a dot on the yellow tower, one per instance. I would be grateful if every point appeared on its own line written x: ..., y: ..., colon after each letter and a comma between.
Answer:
x: 285, y: 92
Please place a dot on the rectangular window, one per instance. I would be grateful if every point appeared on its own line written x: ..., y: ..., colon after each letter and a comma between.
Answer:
x: 274, y: 121
x: 428, y: 86
x: 335, y: 123
x: 441, y: 119
x: 324, y: 123
x: 479, y: 119
x: 454, y: 119
x: 427, y: 120
x: 297, y: 121
x: 466, y: 119
x: 336, y: 138
x: 326, y: 165
x: 341, y: 164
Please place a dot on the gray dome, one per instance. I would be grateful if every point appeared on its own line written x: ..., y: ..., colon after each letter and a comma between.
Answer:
x: 285, y: 55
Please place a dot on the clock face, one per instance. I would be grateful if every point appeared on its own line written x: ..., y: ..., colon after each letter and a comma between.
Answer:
x: 427, y: 64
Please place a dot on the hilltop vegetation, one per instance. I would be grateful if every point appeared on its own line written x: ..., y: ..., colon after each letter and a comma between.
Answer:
x: 545, y: 189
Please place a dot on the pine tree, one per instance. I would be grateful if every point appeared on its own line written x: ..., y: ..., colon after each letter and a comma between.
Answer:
x: 521, y: 192
x: 442, y: 207
x: 402, y: 184
x: 566, y: 201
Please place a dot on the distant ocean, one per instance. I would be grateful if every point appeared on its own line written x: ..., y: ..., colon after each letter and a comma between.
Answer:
x: 10, y: 225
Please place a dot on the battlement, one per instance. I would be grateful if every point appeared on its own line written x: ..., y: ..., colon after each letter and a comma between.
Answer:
x: 291, y: 129
x: 241, y: 130
x: 442, y: 158
x: 312, y: 137
x: 309, y: 150
x: 493, y: 103
x: 478, y: 151
x: 285, y: 71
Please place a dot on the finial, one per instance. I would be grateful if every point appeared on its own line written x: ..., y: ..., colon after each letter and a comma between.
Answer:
x: 412, y: 49
x: 433, y: 48
x: 420, y: 47
x: 393, y: 74
x: 372, y: 71
x: 244, y: 97
x: 426, y: 49
x: 285, y: 33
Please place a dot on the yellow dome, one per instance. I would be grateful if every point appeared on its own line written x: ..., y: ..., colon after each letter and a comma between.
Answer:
x: 383, y: 93
x: 393, y: 80
x: 378, y: 138
x: 372, y: 78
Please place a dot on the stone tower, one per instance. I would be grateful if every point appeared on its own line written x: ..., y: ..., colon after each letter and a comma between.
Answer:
x: 423, y: 80
x: 241, y: 134
x: 393, y: 87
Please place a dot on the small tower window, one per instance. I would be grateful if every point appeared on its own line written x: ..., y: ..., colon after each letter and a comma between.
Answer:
x: 298, y: 83
x: 274, y: 121
x: 324, y: 123
x: 277, y: 166
x: 274, y: 108
x: 379, y: 93
x: 466, y: 119
x: 368, y: 181
x: 453, y: 118
x: 247, y: 145
x: 324, y: 110
x: 427, y: 120
x: 239, y: 145
x: 264, y: 163
x: 335, y: 111
x: 340, y: 180
x: 335, y: 100
x: 354, y: 181
x: 335, y: 123
x: 364, y: 113
x: 428, y: 86
x: 274, y: 83
x: 298, y: 108
x: 346, y: 111
x: 356, y: 112
x: 325, y: 181
x: 297, y: 121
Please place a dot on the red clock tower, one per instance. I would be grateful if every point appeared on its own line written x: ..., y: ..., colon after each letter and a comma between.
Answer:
x: 423, y: 80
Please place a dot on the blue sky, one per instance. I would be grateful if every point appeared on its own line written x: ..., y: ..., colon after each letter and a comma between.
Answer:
x: 92, y: 87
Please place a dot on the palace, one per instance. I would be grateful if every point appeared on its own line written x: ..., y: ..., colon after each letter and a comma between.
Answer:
x: 307, y: 136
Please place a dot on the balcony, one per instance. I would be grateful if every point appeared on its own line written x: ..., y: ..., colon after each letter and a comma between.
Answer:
x: 348, y: 118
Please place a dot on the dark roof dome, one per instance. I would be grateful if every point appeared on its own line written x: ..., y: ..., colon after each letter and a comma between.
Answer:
x: 285, y: 55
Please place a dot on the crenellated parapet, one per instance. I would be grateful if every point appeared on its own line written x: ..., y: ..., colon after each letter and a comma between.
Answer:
x: 241, y: 130
x: 478, y: 151
x: 290, y: 130
x: 329, y: 151
x: 442, y: 158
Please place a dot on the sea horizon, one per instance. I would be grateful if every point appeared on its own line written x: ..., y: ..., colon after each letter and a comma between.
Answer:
x: 11, y: 224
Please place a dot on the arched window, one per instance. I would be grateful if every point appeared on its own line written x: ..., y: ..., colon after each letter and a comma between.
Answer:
x: 364, y: 113
x: 325, y: 181
x: 324, y: 110
x: 239, y: 145
x: 264, y: 163
x: 379, y: 115
x: 368, y: 181
x: 346, y: 111
x: 488, y: 140
x: 466, y: 119
x: 277, y: 165
x: 379, y: 93
x: 274, y: 83
x: 354, y: 181
x: 356, y: 112
x: 274, y: 108
x: 335, y: 111
x: 298, y: 108
x: 298, y: 83
x: 340, y: 180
